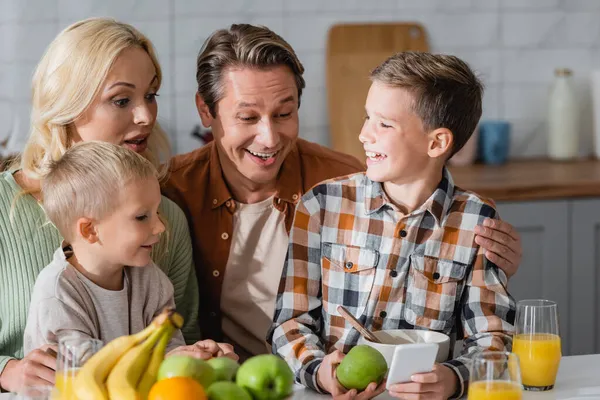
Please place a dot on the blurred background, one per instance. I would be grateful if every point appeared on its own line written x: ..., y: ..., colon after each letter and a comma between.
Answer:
x: 523, y: 50
x: 515, y: 45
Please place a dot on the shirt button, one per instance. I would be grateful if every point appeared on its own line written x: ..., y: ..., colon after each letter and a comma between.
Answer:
x: 228, y: 203
x: 403, y: 233
x: 215, y: 201
x: 436, y: 275
x: 216, y: 273
x: 225, y: 236
x: 383, y: 314
x: 349, y: 265
x: 393, y: 273
x: 295, y: 196
x: 213, y: 314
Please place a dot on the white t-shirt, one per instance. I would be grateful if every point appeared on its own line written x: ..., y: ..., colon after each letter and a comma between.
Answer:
x: 251, y: 282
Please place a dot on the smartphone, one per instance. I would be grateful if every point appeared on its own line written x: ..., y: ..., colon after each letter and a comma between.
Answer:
x: 410, y: 359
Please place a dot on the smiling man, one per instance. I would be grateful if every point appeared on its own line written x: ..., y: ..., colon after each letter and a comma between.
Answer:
x: 240, y: 191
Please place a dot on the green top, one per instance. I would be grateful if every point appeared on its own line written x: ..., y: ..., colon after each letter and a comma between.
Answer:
x: 28, y: 243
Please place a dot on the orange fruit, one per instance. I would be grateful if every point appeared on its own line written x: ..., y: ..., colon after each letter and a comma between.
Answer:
x: 177, y: 388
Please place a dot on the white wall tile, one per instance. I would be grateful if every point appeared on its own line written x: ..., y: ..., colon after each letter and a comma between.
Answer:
x: 537, y: 66
x: 438, y: 5
x: 529, y: 4
x: 528, y: 138
x: 264, y: 7
x: 580, y: 5
x: 314, y: 68
x: 6, y: 81
x: 21, y: 113
x: 190, y: 33
x: 529, y: 29
x: 204, y: 8
x: 317, y: 6
x: 525, y: 101
x: 165, y: 118
x: 6, y: 116
x: 313, y: 110
x: 479, y: 30
x: 32, y: 40
x: 274, y: 23
x: 29, y: 10
x: 126, y: 10
x: 186, y: 117
x: 23, y: 72
x: 8, y: 42
x: 492, y: 100
x: 580, y: 30
x: 185, y: 75
x: 487, y: 64
x: 317, y: 134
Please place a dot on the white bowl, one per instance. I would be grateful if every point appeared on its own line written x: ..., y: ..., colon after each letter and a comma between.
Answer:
x: 393, y: 337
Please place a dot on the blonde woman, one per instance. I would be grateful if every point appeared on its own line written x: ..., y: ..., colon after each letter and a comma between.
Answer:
x: 98, y: 80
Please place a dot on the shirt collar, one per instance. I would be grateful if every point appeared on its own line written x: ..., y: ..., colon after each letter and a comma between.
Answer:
x: 288, y: 186
x: 437, y: 204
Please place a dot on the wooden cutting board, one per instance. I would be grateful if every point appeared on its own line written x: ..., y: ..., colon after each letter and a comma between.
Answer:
x: 353, y: 50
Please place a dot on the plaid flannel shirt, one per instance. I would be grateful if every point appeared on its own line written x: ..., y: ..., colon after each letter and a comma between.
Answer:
x: 350, y: 245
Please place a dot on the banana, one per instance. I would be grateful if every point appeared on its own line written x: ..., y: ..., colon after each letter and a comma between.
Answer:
x: 123, y: 380
x: 89, y: 383
x: 158, y: 355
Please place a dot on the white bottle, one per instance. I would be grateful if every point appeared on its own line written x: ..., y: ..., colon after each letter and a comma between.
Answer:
x: 563, y: 118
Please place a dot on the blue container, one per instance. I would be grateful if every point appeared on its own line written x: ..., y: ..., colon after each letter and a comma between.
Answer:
x: 494, y: 142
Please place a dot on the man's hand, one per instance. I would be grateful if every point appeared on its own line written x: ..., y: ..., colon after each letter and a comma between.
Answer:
x: 36, y: 369
x: 327, y: 380
x: 439, y: 384
x: 502, y: 244
x: 205, y: 350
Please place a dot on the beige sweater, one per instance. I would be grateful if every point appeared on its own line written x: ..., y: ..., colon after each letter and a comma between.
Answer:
x: 65, y: 303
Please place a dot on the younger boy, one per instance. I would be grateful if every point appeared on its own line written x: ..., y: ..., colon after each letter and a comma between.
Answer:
x: 395, y: 246
x: 102, y: 283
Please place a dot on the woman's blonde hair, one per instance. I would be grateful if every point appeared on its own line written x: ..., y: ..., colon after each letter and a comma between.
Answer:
x: 87, y: 181
x: 68, y: 79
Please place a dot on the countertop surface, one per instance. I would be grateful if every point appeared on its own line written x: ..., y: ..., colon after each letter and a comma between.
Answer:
x: 531, y: 179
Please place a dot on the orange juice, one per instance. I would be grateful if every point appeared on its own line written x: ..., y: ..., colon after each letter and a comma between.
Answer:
x: 494, y: 390
x: 64, y: 386
x: 539, y: 355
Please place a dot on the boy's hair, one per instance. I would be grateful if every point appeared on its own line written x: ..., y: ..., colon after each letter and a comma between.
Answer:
x: 447, y: 94
x: 242, y: 46
x: 87, y: 181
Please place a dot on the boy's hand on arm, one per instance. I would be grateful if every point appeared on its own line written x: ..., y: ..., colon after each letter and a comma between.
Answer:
x: 327, y: 380
x: 36, y: 369
x: 440, y: 383
x: 502, y: 244
x: 205, y: 350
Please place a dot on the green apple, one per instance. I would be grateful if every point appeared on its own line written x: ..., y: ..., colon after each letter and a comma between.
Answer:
x: 266, y: 377
x: 227, y: 391
x: 225, y: 368
x: 361, y: 366
x: 190, y: 367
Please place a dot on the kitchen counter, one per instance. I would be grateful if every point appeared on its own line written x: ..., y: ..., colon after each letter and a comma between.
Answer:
x: 531, y: 179
x: 577, y: 379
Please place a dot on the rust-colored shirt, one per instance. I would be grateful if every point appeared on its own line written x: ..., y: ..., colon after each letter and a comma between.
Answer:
x: 197, y: 185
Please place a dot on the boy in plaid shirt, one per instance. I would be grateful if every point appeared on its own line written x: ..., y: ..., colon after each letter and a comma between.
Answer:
x: 396, y: 245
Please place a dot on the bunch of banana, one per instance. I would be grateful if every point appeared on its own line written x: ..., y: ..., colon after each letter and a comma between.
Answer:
x: 126, y: 367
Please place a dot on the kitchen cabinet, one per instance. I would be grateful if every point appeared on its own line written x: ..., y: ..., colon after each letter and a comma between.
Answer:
x: 556, y: 209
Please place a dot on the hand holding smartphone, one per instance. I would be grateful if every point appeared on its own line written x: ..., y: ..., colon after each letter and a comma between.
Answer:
x: 410, y: 359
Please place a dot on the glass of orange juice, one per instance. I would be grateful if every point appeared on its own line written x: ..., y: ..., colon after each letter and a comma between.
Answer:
x: 537, y: 342
x: 73, y: 352
x: 495, y: 375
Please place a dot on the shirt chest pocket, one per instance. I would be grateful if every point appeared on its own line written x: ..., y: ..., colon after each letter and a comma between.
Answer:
x: 348, y: 274
x: 432, y: 291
